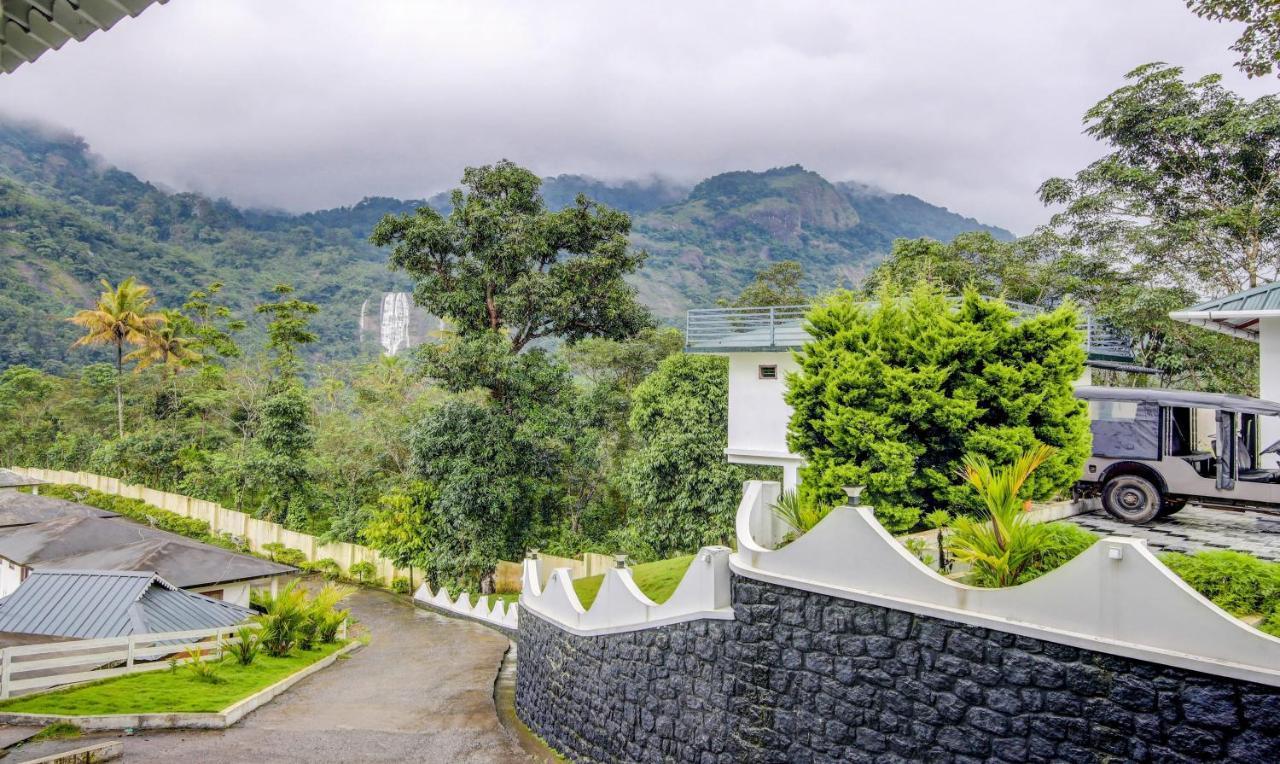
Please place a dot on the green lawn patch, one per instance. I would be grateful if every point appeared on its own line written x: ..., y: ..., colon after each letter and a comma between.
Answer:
x: 166, y: 691
x: 506, y: 599
x: 656, y: 579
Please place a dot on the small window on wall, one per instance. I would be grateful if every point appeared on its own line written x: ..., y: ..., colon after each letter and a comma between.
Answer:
x: 769, y: 371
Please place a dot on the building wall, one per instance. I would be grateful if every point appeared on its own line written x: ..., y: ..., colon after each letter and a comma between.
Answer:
x: 758, y: 415
x: 802, y: 676
x: 236, y: 594
x: 10, y: 577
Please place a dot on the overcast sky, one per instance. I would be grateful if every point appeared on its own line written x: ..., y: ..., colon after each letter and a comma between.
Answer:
x: 303, y: 104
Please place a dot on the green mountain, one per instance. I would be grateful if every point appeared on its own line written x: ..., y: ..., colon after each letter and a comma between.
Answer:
x: 67, y: 219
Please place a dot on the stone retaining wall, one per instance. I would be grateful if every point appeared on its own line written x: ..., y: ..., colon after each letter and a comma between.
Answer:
x: 801, y: 676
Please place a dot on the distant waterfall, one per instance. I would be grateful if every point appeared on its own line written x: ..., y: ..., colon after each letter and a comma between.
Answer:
x: 394, y: 334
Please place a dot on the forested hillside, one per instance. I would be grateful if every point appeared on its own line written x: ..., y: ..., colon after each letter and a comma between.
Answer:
x: 67, y: 219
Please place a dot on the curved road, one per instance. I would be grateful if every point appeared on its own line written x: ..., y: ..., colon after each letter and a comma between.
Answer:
x: 421, y: 691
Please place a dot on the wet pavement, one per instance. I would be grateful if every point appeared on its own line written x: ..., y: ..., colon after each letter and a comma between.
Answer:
x: 421, y: 691
x: 1195, y: 529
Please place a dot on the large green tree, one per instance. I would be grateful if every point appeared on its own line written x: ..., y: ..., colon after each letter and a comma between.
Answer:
x: 682, y: 488
x: 892, y: 396
x: 1189, y: 193
x: 500, y: 261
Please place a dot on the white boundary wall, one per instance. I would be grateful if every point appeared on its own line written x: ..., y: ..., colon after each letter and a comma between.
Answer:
x: 1115, y: 597
x: 222, y: 520
x: 620, y: 606
x: 508, y: 618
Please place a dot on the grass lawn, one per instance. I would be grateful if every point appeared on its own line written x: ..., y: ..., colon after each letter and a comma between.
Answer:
x: 167, y: 691
x: 507, y: 600
x: 656, y: 579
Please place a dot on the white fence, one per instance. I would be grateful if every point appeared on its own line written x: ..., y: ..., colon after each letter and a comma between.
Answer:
x: 483, y: 611
x: 36, y: 667
x: 258, y: 533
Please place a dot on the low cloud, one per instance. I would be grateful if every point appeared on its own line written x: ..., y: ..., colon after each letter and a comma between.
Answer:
x: 305, y: 104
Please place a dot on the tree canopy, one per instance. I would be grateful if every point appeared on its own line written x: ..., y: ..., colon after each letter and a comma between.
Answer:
x: 501, y: 261
x: 1259, y: 45
x: 1189, y: 194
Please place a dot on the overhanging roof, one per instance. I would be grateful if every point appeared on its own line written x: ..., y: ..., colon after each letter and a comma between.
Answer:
x: 11, y: 479
x: 28, y: 28
x: 1180, y: 398
x: 1236, y: 314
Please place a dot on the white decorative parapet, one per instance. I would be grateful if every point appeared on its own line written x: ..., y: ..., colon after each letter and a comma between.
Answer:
x: 1115, y: 597
x: 483, y: 611
x: 620, y: 606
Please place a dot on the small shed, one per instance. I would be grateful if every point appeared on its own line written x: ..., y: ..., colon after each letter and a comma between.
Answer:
x: 89, y: 604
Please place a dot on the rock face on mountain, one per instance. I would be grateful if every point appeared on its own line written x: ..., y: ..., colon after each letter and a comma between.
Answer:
x: 68, y: 219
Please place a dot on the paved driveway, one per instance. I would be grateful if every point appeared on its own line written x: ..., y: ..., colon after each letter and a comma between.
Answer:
x: 421, y: 691
x: 1195, y: 529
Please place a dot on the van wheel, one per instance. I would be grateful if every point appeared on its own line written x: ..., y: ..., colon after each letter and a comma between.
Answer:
x: 1131, y: 499
x: 1171, y: 506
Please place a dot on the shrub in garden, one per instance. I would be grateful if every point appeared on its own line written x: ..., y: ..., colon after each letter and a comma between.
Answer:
x: 1236, y: 582
x: 283, y: 618
x: 400, y: 585
x: 327, y: 567
x: 799, y: 511
x: 202, y: 670
x: 246, y: 649
x: 364, y: 572
x: 892, y: 396
x: 1006, y: 547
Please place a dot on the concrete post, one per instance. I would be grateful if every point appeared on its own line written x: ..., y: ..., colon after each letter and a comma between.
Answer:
x: 1269, y: 382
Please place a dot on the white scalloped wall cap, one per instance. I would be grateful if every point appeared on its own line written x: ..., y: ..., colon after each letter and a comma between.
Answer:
x: 1115, y: 597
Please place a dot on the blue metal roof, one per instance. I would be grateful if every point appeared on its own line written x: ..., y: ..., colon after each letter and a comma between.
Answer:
x: 88, y: 604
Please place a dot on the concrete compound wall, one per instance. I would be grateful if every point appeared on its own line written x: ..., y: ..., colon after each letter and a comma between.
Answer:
x: 802, y: 676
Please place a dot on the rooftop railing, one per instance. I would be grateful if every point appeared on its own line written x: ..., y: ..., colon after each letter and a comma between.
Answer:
x: 781, y: 327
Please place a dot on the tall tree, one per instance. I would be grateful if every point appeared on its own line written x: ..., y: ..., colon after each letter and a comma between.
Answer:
x: 500, y: 261
x: 122, y: 317
x: 1259, y: 45
x: 1190, y: 193
x: 167, y: 346
x: 288, y: 329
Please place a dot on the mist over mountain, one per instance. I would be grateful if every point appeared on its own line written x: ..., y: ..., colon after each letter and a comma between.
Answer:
x: 69, y: 219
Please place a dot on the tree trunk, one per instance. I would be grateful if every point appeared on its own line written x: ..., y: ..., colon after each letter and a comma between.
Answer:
x: 119, y: 389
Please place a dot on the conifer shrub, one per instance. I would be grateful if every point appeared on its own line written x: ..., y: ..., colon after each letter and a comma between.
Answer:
x: 892, y: 395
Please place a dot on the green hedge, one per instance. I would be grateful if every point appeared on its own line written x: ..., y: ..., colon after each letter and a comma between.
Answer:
x: 136, y: 509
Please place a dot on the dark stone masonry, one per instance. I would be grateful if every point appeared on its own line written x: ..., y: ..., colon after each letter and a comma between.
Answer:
x: 802, y: 677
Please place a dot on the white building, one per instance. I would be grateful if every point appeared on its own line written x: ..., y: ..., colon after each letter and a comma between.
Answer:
x: 761, y: 343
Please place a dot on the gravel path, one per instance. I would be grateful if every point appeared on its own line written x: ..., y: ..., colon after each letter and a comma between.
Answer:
x: 1197, y: 528
x: 421, y: 691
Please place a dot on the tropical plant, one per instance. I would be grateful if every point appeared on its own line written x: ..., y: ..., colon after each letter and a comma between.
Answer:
x: 202, y: 668
x: 284, y: 616
x: 799, y: 511
x: 122, y: 317
x: 167, y: 346
x: 323, y: 616
x: 246, y: 647
x: 1004, y: 547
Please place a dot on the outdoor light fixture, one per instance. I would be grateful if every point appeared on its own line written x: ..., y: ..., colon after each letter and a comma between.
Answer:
x: 854, y: 492
x: 620, y: 561
x: 532, y: 554
x: 1115, y: 552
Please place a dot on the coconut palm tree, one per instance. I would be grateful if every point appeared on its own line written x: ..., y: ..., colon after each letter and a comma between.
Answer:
x: 121, y: 317
x: 167, y: 346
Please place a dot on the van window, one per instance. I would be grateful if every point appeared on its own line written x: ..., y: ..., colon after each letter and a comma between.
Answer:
x: 1125, y: 429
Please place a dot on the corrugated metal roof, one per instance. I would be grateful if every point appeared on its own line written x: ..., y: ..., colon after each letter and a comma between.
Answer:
x: 29, y: 28
x: 1236, y: 314
x: 87, y: 604
x: 93, y: 543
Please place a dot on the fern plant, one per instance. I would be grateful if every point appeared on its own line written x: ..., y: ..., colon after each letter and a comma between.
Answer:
x: 202, y: 670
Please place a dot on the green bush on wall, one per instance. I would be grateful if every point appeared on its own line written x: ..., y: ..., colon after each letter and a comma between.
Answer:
x: 892, y: 395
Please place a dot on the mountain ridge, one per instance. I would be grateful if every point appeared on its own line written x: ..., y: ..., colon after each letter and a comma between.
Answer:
x: 69, y: 218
